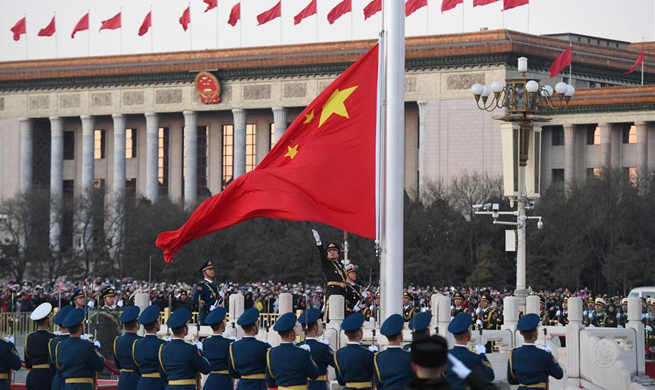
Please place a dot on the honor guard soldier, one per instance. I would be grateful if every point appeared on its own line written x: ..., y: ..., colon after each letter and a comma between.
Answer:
x: 563, y: 313
x: 355, y: 367
x: 353, y: 295
x: 420, y: 327
x: 333, y: 271
x: 205, y: 296
x: 79, y: 360
x: 129, y: 378
x: 622, y: 316
x: 248, y: 355
x: 57, y: 383
x: 145, y: 351
x: 529, y: 366
x: 322, y: 354
x: 36, y: 350
x: 108, y: 299
x: 486, y: 319
x: 287, y: 365
x: 9, y: 360
x: 181, y: 362
x: 599, y: 318
x: 458, y: 305
x: 78, y: 299
x: 408, y: 307
x: 216, y: 349
x: 393, y: 366
x: 460, y: 328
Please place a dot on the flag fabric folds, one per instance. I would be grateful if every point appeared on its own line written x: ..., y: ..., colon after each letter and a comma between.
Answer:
x: 305, y: 13
x: 483, y: 2
x: 82, y: 25
x: 372, y: 8
x: 48, y: 30
x: 271, y: 14
x: 322, y: 169
x: 561, y: 62
x: 111, y: 24
x: 19, y: 29
x: 447, y: 5
x: 509, y: 4
x: 412, y: 6
x: 235, y: 15
x: 211, y: 4
x: 185, y: 19
x: 339, y: 10
x: 145, y: 26
x: 640, y: 59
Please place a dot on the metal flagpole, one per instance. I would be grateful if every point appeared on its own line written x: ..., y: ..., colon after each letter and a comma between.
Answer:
x: 88, y: 35
x: 528, y: 18
x: 121, y: 30
x: 152, y: 33
x: 642, y: 61
x: 463, y: 6
x: 216, y: 26
x: 190, y: 35
x: 56, y: 39
x: 27, y: 57
x: 352, y: 25
x: 571, y: 66
x: 316, y: 27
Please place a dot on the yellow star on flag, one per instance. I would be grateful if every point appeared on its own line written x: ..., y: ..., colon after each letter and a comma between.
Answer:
x: 335, y: 104
x: 291, y: 153
x: 309, y: 117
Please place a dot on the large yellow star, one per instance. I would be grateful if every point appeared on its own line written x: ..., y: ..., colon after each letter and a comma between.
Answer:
x: 291, y: 153
x: 309, y: 117
x: 335, y: 104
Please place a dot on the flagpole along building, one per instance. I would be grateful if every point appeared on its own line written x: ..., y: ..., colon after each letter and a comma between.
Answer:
x: 137, y: 124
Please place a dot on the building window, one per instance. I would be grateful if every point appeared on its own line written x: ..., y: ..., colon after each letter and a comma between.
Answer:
x: 130, y: 193
x: 69, y: 145
x: 99, y: 144
x: 203, y: 143
x: 593, y: 135
x: 228, y: 154
x: 251, y: 138
x: 162, y: 161
x: 130, y: 143
x: 630, y: 135
x: 558, y: 136
x: 593, y: 173
x: 68, y: 215
x: 271, y: 132
x: 558, y: 175
x: 630, y: 175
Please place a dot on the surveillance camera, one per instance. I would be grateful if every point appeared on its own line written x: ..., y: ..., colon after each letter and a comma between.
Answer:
x: 495, y: 207
x: 487, y: 206
x: 540, y: 225
x: 477, y: 206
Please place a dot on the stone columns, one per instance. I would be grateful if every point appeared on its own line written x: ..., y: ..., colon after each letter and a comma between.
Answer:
x: 573, y: 339
x: 569, y: 154
x: 152, y: 156
x: 190, y: 158
x: 642, y: 149
x: 237, y: 307
x: 280, y: 119
x: 443, y: 317
x: 634, y: 322
x: 118, y: 183
x: 286, y: 303
x: 532, y: 305
x: 88, y: 175
x: 510, y: 313
x: 422, y: 123
x: 56, y: 180
x: 239, y: 141
x: 25, y: 180
x: 605, y: 144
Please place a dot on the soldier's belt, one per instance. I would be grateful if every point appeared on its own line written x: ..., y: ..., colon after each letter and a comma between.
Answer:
x: 297, y: 387
x: 41, y: 366
x: 222, y: 372
x: 4, y: 376
x: 320, y: 378
x: 254, y: 376
x: 542, y: 385
x: 79, y: 380
x: 183, y: 382
x: 358, y: 385
x: 339, y: 284
x: 127, y: 370
x: 151, y: 375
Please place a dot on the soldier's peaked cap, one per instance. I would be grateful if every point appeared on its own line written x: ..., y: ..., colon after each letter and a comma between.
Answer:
x: 352, y: 322
x: 208, y: 264
x: 528, y: 323
x: 74, y: 318
x: 285, y: 323
x: 215, y: 316
x: 309, y: 316
x: 41, y: 312
x: 149, y: 315
x: 392, y: 325
x: 460, y: 324
x: 107, y: 292
x: 61, y: 314
x: 420, y: 322
x: 249, y: 317
x: 77, y: 293
x: 333, y: 246
x: 130, y: 314
x: 179, y: 318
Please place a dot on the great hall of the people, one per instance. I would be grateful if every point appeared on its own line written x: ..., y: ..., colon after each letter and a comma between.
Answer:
x: 135, y: 124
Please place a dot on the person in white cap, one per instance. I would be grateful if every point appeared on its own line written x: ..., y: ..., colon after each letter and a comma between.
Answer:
x: 36, y: 350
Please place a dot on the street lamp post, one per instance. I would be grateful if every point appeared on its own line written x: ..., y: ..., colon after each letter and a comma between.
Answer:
x: 522, y: 98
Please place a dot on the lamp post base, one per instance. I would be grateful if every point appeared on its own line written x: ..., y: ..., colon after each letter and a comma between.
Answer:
x: 521, y: 294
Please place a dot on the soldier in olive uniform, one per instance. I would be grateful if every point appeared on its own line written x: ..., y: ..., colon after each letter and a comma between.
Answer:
x: 458, y: 305
x: 353, y: 294
x: 333, y: 271
x: 486, y: 320
x: 408, y: 307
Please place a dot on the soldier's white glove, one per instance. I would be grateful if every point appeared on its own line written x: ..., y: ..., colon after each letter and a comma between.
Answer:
x: 480, y: 349
x: 618, y: 315
x: 91, y: 304
x: 478, y: 322
x: 85, y: 337
x: 120, y: 303
x: 620, y: 326
x: 591, y: 315
x: 57, y: 333
x: 458, y: 367
x: 648, y: 328
x: 452, y: 307
x: 477, y: 311
x: 644, y: 316
x: 451, y: 318
x: 97, y: 344
x: 199, y: 346
x: 167, y: 339
x: 558, y: 313
x: 356, y: 309
x: 212, y: 307
x: 10, y: 339
x: 372, y: 319
x: 317, y: 238
x: 306, y: 347
x: 373, y: 348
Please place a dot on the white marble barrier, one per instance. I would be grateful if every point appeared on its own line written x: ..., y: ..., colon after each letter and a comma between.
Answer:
x: 286, y: 303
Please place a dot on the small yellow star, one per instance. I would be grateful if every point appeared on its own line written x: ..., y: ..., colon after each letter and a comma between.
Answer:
x: 291, y: 153
x: 335, y: 104
x: 309, y: 117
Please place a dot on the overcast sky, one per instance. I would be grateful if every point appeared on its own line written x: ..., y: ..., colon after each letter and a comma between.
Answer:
x: 628, y: 20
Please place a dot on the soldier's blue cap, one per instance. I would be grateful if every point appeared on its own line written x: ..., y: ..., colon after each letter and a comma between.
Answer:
x: 352, y: 322
x: 208, y: 264
x: 420, y: 322
x: 285, y: 323
x: 61, y: 314
x: 248, y: 317
x: 392, y: 325
x: 528, y: 323
x: 215, y: 316
x: 130, y: 314
x: 309, y: 316
x: 460, y: 324
x: 74, y: 318
x: 179, y: 318
x: 149, y: 315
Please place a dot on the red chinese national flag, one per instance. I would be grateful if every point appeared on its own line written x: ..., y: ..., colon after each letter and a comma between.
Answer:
x: 48, y: 30
x: 640, y: 59
x: 450, y: 4
x: 82, y: 25
x: 561, y: 62
x: 111, y: 24
x: 185, y: 19
x: 306, y: 12
x: 271, y: 14
x: 19, y: 29
x: 340, y: 9
x: 211, y: 4
x: 235, y: 15
x: 145, y: 26
x: 333, y: 138
x: 372, y: 8
x: 412, y: 6
x: 483, y: 2
x: 509, y: 4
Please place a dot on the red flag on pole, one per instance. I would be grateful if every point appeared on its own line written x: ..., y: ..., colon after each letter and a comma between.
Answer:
x: 561, y: 62
x: 111, y: 24
x: 640, y: 59
x: 509, y: 4
x: 335, y: 137
x: 82, y: 25
x: 339, y: 10
x: 271, y: 14
x: 235, y: 15
x: 483, y: 2
x: 305, y: 13
x: 185, y: 19
x: 412, y: 6
x: 19, y: 29
x: 450, y: 4
x: 211, y: 4
x: 48, y: 30
x: 372, y: 8
x: 145, y: 26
